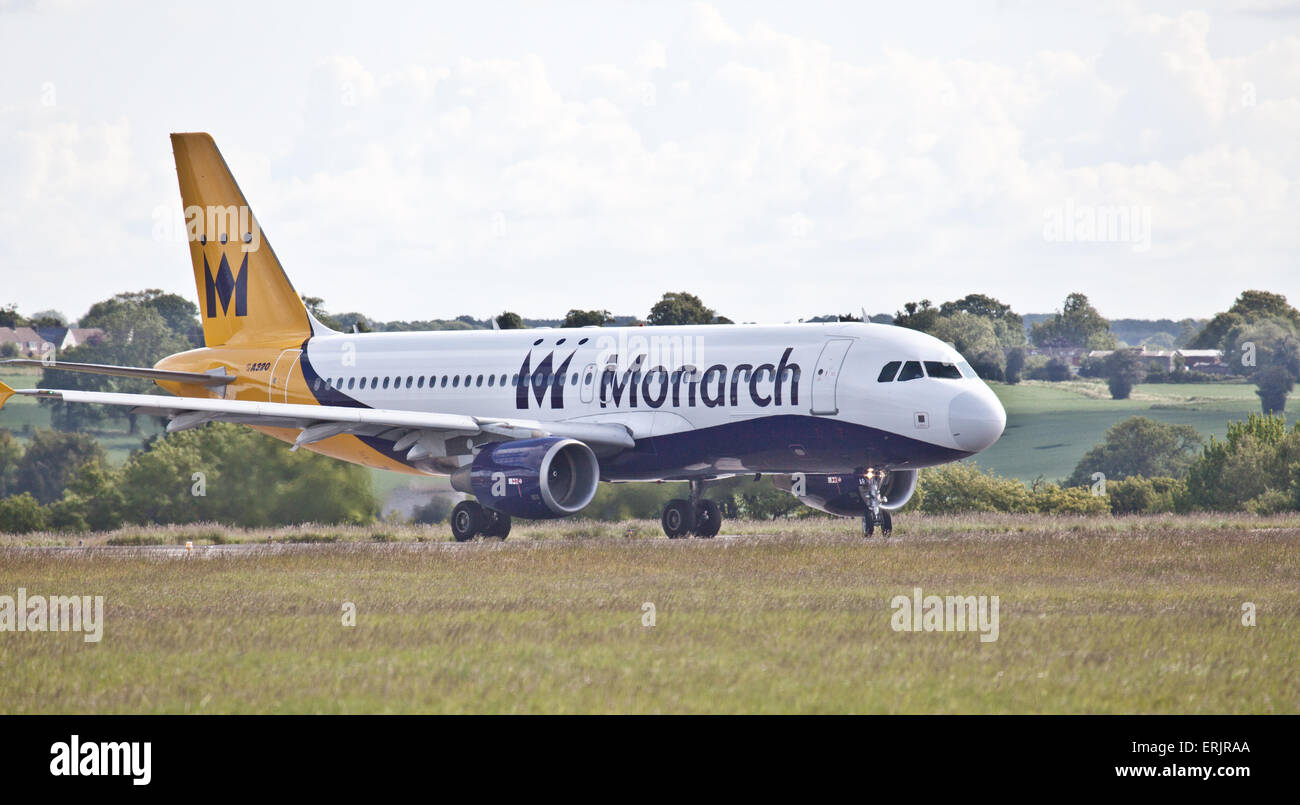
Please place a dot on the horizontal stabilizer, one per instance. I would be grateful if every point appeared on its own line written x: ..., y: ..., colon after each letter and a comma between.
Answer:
x: 125, y: 371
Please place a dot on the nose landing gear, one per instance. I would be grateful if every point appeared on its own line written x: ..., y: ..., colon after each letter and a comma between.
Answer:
x: 697, y: 516
x: 869, y: 483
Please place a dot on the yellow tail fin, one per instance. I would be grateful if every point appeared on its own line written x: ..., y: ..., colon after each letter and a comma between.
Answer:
x: 5, y: 393
x: 244, y: 295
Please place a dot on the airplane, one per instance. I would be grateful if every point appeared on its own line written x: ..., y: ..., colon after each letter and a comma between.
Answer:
x: 529, y: 422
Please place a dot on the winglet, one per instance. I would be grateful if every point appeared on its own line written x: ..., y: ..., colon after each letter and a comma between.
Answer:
x: 5, y: 393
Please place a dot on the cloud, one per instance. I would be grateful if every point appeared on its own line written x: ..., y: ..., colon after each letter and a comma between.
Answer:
x: 772, y: 172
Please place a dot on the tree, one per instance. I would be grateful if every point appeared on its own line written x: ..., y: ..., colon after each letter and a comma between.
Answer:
x: 1249, y: 308
x: 316, y: 305
x: 1053, y: 371
x: 1274, y: 383
x: 1123, y: 369
x: 510, y: 321
x: 1268, y: 352
x: 974, y: 337
x: 1015, y: 364
x: 48, y: 318
x: 1077, y: 325
x: 180, y: 315
x: 1139, y: 446
x: 587, y: 318
x: 21, y: 514
x: 10, y: 317
x: 135, y: 334
x: 1007, y: 324
x: 682, y: 308
x: 917, y: 316
x: 51, y: 461
x: 93, y: 500
x: 1258, y: 459
x: 11, y: 459
x: 247, y: 479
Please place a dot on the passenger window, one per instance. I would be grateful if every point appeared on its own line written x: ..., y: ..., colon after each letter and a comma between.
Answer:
x: 947, y: 371
x: 419, y: 384
x: 911, y: 371
x: 574, y: 382
x: 444, y: 381
x: 385, y: 382
x: 352, y: 381
x: 492, y: 380
x: 455, y: 382
x: 889, y: 372
x: 503, y: 379
x: 479, y: 382
x: 374, y: 382
x: 409, y: 380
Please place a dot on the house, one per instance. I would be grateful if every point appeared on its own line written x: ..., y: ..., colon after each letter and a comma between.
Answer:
x: 27, y: 341
x: 1204, y: 360
x: 76, y: 336
x: 1169, y: 360
x: 36, y: 343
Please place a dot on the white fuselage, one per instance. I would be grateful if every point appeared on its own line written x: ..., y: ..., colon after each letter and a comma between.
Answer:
x: 789, y: 398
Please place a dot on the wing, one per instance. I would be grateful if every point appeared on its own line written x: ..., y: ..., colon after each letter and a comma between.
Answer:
x: 421, y: 434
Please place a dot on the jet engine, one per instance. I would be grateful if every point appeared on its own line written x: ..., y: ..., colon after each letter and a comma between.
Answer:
x: 535, y: 479
x: 839, y: 495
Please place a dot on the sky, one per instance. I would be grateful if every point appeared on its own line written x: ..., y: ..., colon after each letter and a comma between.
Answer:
x: 780, y: 160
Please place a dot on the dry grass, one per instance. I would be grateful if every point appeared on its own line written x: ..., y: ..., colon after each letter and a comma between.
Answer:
x: 1097, y: 615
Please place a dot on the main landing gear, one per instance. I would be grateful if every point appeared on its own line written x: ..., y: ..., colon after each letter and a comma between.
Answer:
x: 697, y: 516
x: 469, y: 520
x: 869, y: 487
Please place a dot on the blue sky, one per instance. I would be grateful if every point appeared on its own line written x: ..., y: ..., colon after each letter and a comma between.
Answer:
x: 781, y: 160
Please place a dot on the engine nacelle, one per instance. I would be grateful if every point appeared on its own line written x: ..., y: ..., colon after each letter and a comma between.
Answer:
x: 536, y: 479
x: 839, y: 495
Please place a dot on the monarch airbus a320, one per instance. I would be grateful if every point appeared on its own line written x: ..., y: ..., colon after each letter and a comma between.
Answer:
x: 530, y: 421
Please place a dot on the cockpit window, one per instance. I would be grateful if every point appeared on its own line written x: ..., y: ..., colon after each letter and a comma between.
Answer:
x: 887, y: 374
x: 911, y: 371
x: 945, y: 370
x: 966, y: 370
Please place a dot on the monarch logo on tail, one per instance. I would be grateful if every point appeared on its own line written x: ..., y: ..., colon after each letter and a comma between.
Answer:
x: 225, y: 285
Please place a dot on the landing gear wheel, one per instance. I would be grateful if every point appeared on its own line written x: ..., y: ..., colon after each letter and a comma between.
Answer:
x: 467, y: 520
x: 679, y: 518
x: 708, y: 519
x: 886, y: 524
x: 496, y: 524
x: 868, y: 524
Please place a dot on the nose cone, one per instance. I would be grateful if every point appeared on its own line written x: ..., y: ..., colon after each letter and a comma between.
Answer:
x: 976, y: 419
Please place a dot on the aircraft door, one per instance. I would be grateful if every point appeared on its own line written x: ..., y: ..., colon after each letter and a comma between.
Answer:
x: 827, y: 375
x: 279, y: 388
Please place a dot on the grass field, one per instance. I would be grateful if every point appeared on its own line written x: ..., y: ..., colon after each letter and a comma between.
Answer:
x: 1097, y: 615
x: 1051, y: 425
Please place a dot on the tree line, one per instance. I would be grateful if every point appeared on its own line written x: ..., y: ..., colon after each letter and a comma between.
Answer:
x: 61, y: 480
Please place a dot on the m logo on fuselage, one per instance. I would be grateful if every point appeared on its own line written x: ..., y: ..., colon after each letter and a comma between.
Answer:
x: 225, y: 285
x: 541, y: 378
